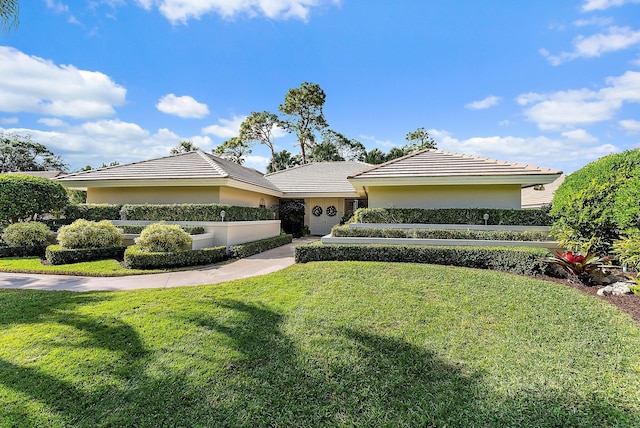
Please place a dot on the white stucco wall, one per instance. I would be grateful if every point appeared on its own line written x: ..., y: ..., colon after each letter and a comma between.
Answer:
x: 481, y: 196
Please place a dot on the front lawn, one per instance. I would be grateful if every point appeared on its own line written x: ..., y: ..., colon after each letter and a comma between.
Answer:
x: 322, y: 344
x: 94, y: 268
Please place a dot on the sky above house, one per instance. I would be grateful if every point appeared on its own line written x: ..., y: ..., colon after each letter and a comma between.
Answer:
x: 543, y: 82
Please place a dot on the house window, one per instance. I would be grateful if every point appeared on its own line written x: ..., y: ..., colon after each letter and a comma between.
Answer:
x: 262, y: 203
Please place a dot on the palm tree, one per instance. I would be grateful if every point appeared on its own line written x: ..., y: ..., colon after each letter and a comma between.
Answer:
x: 8, y: 14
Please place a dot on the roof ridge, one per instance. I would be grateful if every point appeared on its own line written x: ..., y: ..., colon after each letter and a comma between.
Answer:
x: 389, y: 162
x: 207, y: 157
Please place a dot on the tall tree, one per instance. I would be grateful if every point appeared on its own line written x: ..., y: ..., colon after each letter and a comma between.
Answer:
x: 19, y: 153
x: 374, y: 157
x: 303, y: 107
x: 234, y: 149
x: 325, y: 152
x: 185, y: 146
x: 283, y: 160
x: 419, y: 140
x: 9, y: 12
x: 258, y: 127
x: 348, y: 149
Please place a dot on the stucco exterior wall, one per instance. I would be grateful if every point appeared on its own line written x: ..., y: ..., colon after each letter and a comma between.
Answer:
x: 153, y: 195
x: 245, y: 198
x: 481, y: 196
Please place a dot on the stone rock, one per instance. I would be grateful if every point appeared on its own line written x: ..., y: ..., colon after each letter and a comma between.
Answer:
x: 615, y: 289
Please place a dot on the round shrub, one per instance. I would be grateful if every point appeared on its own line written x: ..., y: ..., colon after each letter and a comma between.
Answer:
x: 22, y: 197
x: 162, y: 238
x: 587, y: 206
x: 89, y: 234
x: 28, y: 235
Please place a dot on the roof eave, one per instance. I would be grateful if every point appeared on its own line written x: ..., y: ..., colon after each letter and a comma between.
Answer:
x: 520, y: 179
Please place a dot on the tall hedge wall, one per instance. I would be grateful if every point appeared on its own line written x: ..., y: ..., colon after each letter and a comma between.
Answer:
x: 534, y: 217
x: 193, y: 212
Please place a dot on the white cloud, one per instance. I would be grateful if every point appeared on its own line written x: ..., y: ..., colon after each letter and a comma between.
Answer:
x: 630, y: 126
x: 34, y: 85
x: 57, y: 7
x: 486, y: 103
x: 614, y: 39
x: 227, y: 128
x: 257, y: 162
x: 591, y: 5
x: 387, y: 144
x: 579, y: 136
x: 600, y: 21
x: 9, y: 120
x: 564, y: 109
x: 180, y: 11
x: 52, y: 122
x: 185, y: 106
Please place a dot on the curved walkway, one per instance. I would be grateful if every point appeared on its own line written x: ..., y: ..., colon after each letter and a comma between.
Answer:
x: 259, y: 264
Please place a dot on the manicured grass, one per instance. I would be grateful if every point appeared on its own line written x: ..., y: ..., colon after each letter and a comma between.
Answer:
x: 95, y: 268
x: 322, y: 344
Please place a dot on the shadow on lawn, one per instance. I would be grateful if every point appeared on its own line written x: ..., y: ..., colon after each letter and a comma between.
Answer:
x: 348, y: 377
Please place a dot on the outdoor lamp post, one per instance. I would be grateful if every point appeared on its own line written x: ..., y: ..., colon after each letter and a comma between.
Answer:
x: 485, y: 217
x: 222, y: 214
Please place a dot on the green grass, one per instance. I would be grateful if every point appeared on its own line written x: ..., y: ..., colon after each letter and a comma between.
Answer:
x: 95, y: 268
x: 321, y: 344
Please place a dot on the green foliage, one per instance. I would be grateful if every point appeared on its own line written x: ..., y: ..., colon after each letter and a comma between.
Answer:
x: 627, y: 203
x: 234, y: 149
x: 292, y: 216
x: 89, y: 234
x: 193, y: 212
x: 521, y: 261
x: 184, y: 147
x: 254, y: 247
x: 24, y: 197
x: 138, y: 228
x: 19, y: 153
x: 93, y: 212
x: 160, y: 237
x: 32, y: 235
x: 57, y: 255
x: 258, y: 128
x: 590, y: 205
x: 9, y: 16
x: 500, y: 235
x: 627, y: 249
x: 136, y: 258
x: 537, y: 217
x: 420, y: 140
x: 581, y: 266
x: 283, y: 160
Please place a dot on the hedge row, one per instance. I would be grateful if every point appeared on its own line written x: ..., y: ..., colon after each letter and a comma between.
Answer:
x: 92, y: 212
x: 193, y: 212
x: 138, y: 228
x: 6, y: 251
x: 499, y: 235
x: 534, y: 217
x: 255, y: 247
x: 134, y: 258
x: 62, y: 256
x: 521, y: 261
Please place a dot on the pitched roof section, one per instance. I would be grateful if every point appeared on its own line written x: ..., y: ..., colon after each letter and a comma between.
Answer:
x: 195, y: 165
x: 438, y: 167
x: 318, y: 179
x: 540, y: 196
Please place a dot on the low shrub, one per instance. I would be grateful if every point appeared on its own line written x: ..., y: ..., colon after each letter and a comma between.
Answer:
x: 89, y: 234
x: 522, y: 261
x: 500, y: 235
x: 138, y: 228
x: 160, y: 237
x: 56, y: 255
x: 193, y: 212
x: 136, y: 258
x: 34, y: 235
x: 534, y: 217
x: 21, y: 251
x: 255, y: 247
x: 627, y: 249
x: 92, y: 212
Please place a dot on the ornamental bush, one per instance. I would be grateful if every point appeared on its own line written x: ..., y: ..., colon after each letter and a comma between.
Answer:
x: 92, y: 212
x: 499, y: 235
x: 254, y: 247
x: 22, y: 197
x: 162, y: 238
x: 193, y: 212
x: 62, y: 256
x: 136, y: 258
x: 594, y: 203
x: 89, y: 234
x: 27, y: 235
x: 533, y: 217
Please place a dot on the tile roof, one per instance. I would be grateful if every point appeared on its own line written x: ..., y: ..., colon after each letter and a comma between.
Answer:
x: 536, y: 197
x: 190, y: 165
x: 43, y: 174
x: 437, y: 163
x: 319, y: 177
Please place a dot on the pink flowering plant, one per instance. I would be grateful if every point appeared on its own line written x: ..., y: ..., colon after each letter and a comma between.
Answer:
x: 580, y: 266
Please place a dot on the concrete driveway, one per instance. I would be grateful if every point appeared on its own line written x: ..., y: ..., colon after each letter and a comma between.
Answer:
x: 259, y: 264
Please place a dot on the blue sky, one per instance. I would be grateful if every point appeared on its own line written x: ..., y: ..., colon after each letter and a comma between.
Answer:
x: 548, y: 83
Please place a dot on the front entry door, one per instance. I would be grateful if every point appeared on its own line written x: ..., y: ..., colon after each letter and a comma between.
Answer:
x: 324, y: 214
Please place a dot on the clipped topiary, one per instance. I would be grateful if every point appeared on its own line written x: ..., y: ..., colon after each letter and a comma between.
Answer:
x: 586, y: 206
x: 89, y: 234
x: 27, y: 235
x: 23, y: 197
x: 162, y: 238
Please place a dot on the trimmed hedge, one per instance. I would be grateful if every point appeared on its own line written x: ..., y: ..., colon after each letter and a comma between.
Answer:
x: 534, y: 217
x: 92, y: 212
x: 57, y: 255
x: 6, y: 251
x: 134, y: 258
x: 193, y: 212
x: 499, y: 235
x: 521, y: 260
x: 250, y: 248
x: 138, y: 228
